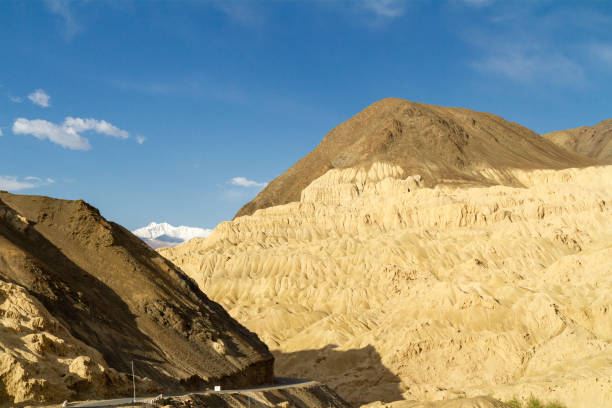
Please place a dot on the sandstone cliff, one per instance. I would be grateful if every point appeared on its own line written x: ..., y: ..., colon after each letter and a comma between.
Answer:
x: 387, y: 289
x: 448, y: 146
x: 591, y: 141
x: 81, y: 297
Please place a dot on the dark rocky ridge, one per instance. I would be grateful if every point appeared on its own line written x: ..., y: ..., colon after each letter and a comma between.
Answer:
x: 444, y: 145
x: 120, y: 297
x: 591, y: 141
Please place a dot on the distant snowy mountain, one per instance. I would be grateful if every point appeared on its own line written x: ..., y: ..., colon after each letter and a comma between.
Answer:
x: 159, y: 235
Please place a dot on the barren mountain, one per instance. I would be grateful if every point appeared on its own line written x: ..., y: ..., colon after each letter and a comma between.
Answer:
x: 81, y: 297
x: 391, y: 285
x: 591, y: 141
x: 453, y: 146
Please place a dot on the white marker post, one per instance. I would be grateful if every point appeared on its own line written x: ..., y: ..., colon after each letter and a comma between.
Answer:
x: 217, y: 388
x: 133, y: 382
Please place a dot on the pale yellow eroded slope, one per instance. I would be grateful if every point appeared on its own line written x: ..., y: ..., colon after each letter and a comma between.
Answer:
x: 40, y: 360
x: 386, y: 290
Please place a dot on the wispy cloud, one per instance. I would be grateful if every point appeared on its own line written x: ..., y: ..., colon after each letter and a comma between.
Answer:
x: 385, y: 9
x: 140, y: 139
x: 524, y: 65
x: 602, y: 52
x: 15, y: 99
x: 11, y: 183
x: 241, y: 12
x: 477, y: 3
x: 529, y: 46
x: 1, y: 134
x: 194, y: 87
x: 67, y: 134
x: 244, y: 182
x: 63, y: 9
x: 39, y: 97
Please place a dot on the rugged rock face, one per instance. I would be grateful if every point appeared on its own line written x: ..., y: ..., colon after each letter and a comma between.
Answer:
x: 591, y: 141
x: 442, y: 145
x: 81, y: 297
x: 385, y: 288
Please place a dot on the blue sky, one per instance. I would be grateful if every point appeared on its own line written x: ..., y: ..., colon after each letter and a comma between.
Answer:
x: 149, y: 109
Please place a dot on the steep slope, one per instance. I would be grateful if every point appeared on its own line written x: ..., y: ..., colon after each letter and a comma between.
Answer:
x: 443, y: 145
x: 385, y: 289
x: 81, y: 297
x: 591, y: 141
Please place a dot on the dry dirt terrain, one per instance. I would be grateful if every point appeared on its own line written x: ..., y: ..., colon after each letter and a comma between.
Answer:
x: 436, y: 280
x: 311, y: 397
x: 592, y: 141
x: 80, y: 298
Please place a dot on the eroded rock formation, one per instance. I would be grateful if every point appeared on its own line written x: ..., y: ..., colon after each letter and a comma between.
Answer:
x: 385, y: 288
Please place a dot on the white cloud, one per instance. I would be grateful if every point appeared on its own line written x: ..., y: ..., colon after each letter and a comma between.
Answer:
x: 11, y: 183
x: 140, y: 139
x: 244, y: 182
x: 67, y: 134
x: 1, y: 132
x: 385, y: 8
x: 15, y: 99
x: 99, y: 126
x: 40, y: 98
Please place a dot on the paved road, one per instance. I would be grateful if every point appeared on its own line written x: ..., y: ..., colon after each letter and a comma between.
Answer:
x: 285, y: 383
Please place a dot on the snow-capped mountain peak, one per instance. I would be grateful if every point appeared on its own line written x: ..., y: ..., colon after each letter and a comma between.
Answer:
x: 162, y: 234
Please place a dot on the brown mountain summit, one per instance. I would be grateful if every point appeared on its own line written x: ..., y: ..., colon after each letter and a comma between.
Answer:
x: 444, y: 145
x: 591, y: 141
x: 81, y: 297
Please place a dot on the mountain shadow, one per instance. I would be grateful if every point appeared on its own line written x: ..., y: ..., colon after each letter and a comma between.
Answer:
x: 357, y: 375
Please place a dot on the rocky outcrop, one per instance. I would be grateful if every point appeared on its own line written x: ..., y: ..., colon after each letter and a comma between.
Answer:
x: 386, y: 288
x: 81, y: 298
x: 445, y: 146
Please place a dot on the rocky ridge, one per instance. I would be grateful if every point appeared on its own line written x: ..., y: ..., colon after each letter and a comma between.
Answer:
x: 445, y: 146
x: 81, y: 297
x: 590, y: 141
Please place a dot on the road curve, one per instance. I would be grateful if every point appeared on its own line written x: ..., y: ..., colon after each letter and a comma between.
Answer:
x: 285, y: 383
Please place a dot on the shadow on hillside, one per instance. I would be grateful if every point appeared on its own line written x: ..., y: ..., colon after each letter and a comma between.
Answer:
x: 88, y: 308
x: 357, y: 375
